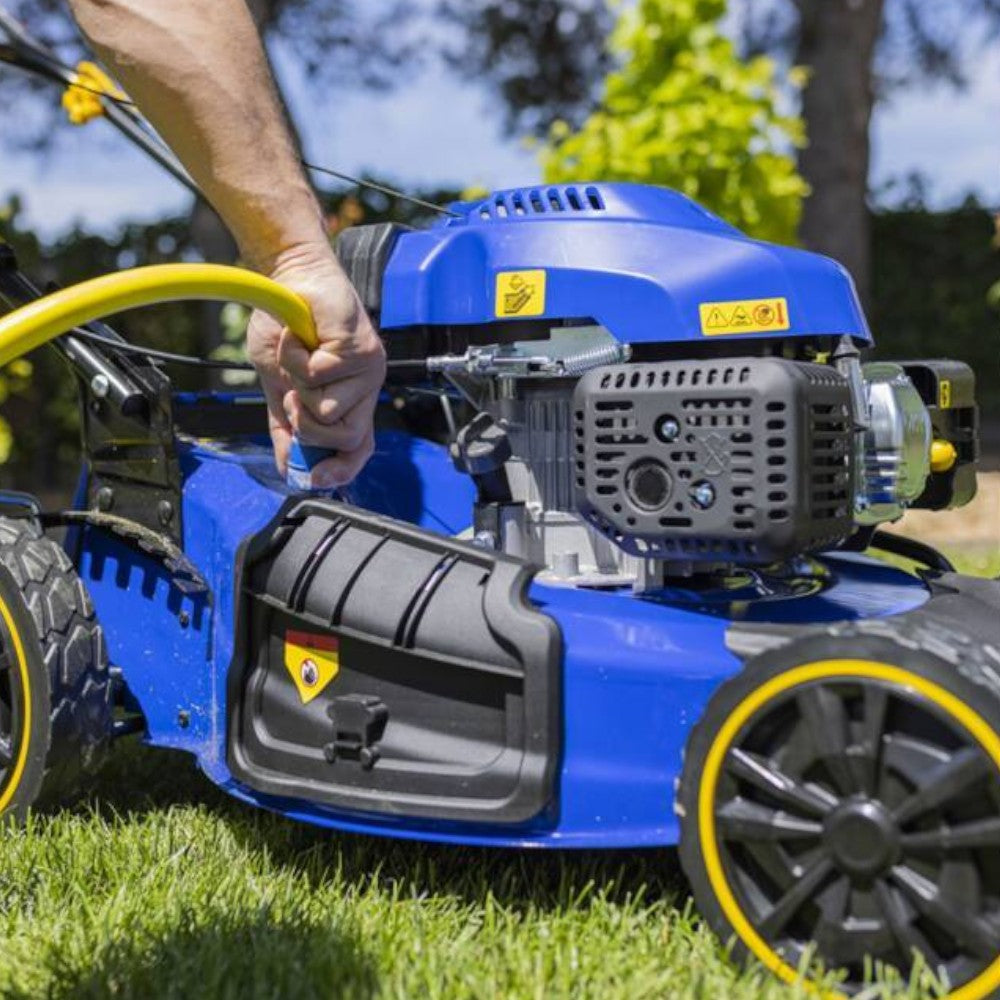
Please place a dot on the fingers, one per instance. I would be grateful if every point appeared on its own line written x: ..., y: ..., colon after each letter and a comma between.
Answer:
x: 332, y: 403
x: 325, y: 397
x: 329, y: 384
x: 332, y: 361
x: 344, y: 467
x: 346, y: 434
x: 281, y: 438
x: 263, y: 336
x: 262, y: 343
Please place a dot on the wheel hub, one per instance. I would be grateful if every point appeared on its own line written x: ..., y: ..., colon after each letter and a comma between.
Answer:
x: 862, y: 838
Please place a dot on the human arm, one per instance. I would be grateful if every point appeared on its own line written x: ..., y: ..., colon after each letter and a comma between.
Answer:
x: 199, y: 73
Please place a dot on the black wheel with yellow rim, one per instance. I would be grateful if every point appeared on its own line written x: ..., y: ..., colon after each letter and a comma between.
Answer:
x: 18, y: 704
x: 842, y: 794
x: 55, y: 689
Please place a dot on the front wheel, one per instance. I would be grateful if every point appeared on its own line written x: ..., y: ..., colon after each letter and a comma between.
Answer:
x: 843, y: 792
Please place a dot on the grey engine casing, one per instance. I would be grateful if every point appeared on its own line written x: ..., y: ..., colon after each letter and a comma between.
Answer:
x: 745, y: 459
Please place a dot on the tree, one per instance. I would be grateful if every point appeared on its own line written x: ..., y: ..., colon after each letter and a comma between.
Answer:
x: 544, y: 59
x: 884, y: 44
x: 685, y: 111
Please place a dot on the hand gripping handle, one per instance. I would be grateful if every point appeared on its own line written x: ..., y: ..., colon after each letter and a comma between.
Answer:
x: 53, y: 315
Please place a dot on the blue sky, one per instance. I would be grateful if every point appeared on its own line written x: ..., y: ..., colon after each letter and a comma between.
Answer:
x: 434, y: 129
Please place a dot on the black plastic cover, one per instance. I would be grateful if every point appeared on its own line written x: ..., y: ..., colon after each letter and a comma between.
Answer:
x: 948, y: 389
x: 364, y: 253
x: 436, y: 637
x: 730, y: 460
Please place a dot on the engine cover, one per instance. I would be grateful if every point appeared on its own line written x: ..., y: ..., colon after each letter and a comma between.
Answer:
x: 745, y: 459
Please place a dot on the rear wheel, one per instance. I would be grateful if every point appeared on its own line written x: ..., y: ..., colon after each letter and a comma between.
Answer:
x: 845, y: 791
x: 55, y: 690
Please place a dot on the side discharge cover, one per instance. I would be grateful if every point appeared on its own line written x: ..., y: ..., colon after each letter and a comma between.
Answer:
x: 385, y: 669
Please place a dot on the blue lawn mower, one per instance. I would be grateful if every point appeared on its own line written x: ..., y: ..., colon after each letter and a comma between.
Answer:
x: 604, y: 584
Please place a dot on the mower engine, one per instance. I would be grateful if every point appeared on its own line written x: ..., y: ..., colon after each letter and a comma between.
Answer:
x: 659, y: 396
x: 635, y: 471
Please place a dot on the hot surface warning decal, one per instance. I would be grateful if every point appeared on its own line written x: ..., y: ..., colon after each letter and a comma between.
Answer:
x: 312, y: 660
x: 744, y: 316
x: 520, y: 293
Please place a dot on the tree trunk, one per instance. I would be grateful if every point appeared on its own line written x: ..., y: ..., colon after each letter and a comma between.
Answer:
x: 837, y: 40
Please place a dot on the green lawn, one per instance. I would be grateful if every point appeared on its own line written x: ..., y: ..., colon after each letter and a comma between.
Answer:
x: 161, y: 886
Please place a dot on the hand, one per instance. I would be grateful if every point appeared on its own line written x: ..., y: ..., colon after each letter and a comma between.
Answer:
x: 326, y: 397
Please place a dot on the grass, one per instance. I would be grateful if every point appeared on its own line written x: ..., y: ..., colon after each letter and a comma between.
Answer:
x: 160, y: 886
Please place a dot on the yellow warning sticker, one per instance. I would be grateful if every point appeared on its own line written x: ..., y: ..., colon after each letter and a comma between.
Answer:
x: 744, y: 316
x: 944, y: 394
x: 520, y: 293
x: 312, y: 660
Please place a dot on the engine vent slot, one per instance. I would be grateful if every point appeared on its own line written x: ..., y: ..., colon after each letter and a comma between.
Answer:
x: 755, y: 458
x: 522, y: 202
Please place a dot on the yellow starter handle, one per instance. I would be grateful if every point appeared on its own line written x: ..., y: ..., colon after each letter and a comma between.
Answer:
x: 39, y: 322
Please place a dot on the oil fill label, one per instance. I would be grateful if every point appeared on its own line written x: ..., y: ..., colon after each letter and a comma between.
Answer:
x: 520, y: 293
x: 313, y: 660
x: 744, y: 316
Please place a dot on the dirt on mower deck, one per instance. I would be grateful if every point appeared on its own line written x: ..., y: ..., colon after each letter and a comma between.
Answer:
x: 972, y: 531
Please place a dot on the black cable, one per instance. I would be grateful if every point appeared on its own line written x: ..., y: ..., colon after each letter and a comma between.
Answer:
x: 383, y: 189
x: 166, y: 356
x: 123, y: 101
x: 910, y: 548
x: 419, y: 363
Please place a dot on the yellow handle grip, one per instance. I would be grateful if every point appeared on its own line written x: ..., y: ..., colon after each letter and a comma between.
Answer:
x: 39, y: 322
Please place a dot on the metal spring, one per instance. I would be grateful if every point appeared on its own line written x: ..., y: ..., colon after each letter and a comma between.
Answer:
x: 594, y: 357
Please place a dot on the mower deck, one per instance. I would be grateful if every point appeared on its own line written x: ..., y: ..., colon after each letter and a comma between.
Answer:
x: 635, y: 674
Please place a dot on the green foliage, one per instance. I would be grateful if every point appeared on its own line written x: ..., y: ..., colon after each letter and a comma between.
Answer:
x: 683, y: 110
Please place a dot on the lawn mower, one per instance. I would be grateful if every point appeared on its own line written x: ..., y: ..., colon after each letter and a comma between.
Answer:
x: 610, y: 582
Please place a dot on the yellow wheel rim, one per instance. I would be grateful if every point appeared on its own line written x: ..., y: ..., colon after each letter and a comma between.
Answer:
x: 976, y: 989
x: 19, y: 752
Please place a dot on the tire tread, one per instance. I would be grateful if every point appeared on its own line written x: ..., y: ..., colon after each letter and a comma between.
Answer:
x: 74, y: 654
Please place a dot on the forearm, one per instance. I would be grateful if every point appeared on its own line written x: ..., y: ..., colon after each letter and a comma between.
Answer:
x: 198, y: 71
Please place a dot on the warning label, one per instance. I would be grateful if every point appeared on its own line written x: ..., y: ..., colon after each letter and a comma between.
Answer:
x: 744, y: 316
x: 312, y: 660
x: 520, y: 293
x: 944, y: 394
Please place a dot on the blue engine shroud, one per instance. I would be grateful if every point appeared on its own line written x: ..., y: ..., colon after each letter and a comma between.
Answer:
x: 637, y: 671
x: 638, y: 260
